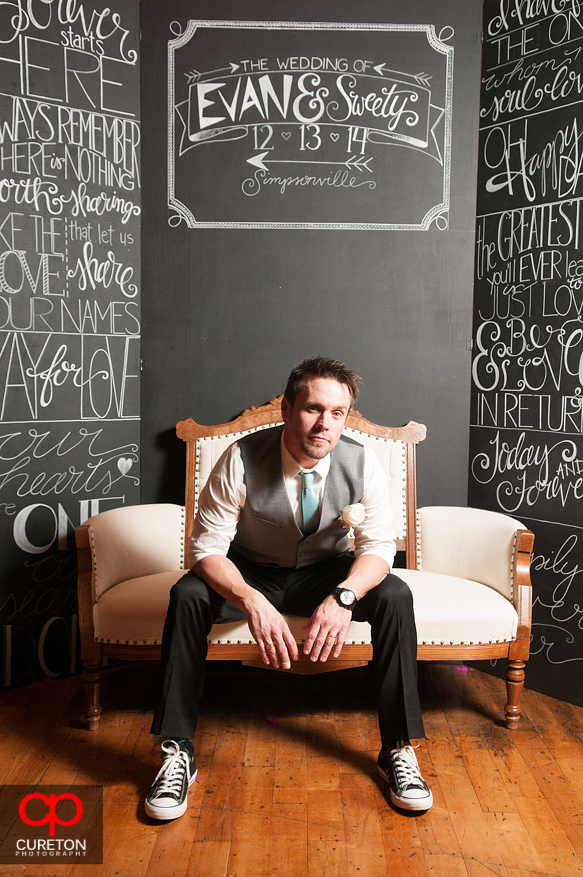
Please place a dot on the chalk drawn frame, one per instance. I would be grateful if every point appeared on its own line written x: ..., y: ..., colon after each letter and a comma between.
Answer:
x: 438, y: 213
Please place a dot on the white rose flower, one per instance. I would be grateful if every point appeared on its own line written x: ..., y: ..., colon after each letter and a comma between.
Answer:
x: 352, y: 515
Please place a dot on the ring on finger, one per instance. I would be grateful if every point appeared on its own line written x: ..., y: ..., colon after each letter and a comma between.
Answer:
x: 331, y: 636
x: 269, y: 646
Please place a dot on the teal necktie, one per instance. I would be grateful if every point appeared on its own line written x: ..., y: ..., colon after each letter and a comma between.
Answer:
x: 308, y: 505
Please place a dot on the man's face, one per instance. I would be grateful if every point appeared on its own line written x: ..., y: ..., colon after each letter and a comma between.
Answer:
x: 315, y: 422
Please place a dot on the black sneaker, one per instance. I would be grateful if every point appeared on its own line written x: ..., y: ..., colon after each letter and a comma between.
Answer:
x: 400, y: 769
x: 167, y: 796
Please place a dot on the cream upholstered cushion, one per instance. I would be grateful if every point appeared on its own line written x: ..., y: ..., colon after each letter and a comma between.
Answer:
x: 134, y: 611
x: 468, y: 543
x: 447, y: 610
x: 453, y: 610
x: 134, y: 541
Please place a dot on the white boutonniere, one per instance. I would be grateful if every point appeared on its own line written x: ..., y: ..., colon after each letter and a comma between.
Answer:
x: 352, y: 516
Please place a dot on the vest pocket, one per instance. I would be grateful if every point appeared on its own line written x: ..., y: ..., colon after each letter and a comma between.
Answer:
x: 265, y: 520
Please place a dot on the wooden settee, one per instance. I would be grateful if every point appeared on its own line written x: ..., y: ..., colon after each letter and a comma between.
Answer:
x: 468, y: 569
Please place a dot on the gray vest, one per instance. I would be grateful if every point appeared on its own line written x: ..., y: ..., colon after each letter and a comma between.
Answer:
x: 267, y: 531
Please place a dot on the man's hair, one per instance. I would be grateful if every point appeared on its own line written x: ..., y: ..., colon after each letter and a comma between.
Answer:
x: 321, y: 367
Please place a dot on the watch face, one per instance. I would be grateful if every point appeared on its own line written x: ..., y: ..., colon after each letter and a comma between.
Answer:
x: 346, y: 598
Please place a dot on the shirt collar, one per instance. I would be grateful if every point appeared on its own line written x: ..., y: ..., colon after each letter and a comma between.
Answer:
x: 291, y: 467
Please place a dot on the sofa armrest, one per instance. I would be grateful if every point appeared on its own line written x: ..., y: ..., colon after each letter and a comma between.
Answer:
x: 520, y: 649
x: 470, y: 544
x: 130, y: 542
x: 90, y: 651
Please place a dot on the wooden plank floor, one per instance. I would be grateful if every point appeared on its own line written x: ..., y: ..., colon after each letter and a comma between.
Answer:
x: 288, y: 783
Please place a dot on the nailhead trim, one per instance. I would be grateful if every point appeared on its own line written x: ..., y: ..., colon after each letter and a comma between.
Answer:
x: 127, y: 642
x: 464, y: 642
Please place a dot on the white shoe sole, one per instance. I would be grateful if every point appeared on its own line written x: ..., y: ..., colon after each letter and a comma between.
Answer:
x: 407, y: 803
x: 168, y: 813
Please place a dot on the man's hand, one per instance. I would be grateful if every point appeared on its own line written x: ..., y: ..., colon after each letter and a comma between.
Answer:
x: 268, y: 626
x: 328, y: 625
x: 326, y: 630
x: 270, y: 631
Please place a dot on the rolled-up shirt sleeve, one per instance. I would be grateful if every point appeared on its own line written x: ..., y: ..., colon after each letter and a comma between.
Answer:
x: 376, y: 534
x: 219, y: 507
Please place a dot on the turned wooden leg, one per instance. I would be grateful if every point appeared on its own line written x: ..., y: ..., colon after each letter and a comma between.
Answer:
x: 92, y: 671
x: 514, y: 685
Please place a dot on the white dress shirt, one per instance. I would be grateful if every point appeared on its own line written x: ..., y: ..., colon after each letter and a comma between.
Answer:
x: 224, y: 494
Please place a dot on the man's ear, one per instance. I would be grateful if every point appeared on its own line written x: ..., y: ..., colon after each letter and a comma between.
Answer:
x: 285, y: 408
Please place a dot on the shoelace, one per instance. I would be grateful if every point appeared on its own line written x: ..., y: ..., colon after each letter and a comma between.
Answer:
x: 172, y: 770
x: 406, y: 767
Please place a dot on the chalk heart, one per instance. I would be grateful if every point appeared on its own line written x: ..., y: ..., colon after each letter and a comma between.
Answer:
x: 124, y: 464
x: 334, y: 135
x: 286, y: 135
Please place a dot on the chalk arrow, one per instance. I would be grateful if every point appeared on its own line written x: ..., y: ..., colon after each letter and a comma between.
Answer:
x: 195, y: 75
x: 420, y: 78
x: 360, y: 162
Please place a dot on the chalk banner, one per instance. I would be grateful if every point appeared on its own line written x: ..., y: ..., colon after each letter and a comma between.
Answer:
x: 526, y: 437
x: 69, y: 308
x: 309, y: 125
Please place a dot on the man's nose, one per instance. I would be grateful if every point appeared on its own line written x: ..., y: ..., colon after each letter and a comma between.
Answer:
x: 324, y: 420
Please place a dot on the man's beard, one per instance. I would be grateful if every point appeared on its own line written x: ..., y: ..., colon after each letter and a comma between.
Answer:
x: 313, y: 450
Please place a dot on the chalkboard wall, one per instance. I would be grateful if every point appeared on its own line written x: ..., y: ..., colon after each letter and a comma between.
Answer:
x: 283, y: 224
x: 69, y: 308
x: 526, y: 454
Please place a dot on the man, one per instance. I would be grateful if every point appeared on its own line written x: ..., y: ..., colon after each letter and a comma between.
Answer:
x: 268, y: 539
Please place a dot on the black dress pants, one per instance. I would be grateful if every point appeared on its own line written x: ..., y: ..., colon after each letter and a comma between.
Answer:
x: 195, y: 607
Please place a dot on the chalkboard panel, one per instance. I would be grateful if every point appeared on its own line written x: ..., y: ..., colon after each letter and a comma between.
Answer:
x: 527, y: 402
x: 228, y: 311
x: 307, y: 125
x: 69, y: 308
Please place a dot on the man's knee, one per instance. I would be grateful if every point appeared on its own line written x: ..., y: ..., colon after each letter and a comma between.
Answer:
x: 192, y: 597
x: 394, y: 590
x: 392, y: 595
x: 190, y: 590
